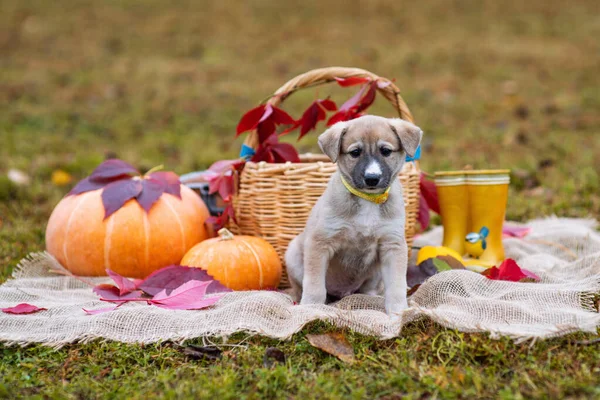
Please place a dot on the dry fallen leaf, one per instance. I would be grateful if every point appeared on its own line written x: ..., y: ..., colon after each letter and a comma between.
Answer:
x: 202, y: 353
x: 335, y: 344
x: 273, y: 356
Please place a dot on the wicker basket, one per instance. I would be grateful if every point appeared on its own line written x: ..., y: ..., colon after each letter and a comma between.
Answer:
x: 273, y: 201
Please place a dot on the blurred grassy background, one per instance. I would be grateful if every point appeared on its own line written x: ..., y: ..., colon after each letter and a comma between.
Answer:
x: 493, y: 84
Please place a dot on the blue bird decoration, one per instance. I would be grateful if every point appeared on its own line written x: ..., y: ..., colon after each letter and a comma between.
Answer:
x: 473, y: 238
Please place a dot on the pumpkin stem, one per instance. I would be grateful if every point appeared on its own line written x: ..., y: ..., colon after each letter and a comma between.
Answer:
x: 225, y: 234
x: 157, y: 168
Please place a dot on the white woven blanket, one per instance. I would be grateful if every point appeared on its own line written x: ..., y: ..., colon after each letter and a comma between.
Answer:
x: 565, y: 253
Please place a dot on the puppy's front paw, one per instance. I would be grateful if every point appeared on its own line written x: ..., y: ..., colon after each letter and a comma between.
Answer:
x: 394, y: 310
x: 313, y: 298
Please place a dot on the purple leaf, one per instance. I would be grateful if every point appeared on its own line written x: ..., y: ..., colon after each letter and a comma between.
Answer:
x: 189, y: 296
x: 171, y: 181
x: 113, y: 169
x: 101, y: 310
x: 354, y: 100
x: 22, y: 308
x: 509, y: 230
x: 112, y: 293
x: 86, y: 185
x: 267, y: 113
x: 152, y: 189
x: 173, y: 276
x: 225, y: 165
x: 116, y: 194
x: 125, y: 285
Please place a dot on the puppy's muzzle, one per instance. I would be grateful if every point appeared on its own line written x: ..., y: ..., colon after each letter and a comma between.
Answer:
x: 373, y: 175
x: 372, y: 180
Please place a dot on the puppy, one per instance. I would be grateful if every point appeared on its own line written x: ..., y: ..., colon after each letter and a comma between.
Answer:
x: 354, y: 241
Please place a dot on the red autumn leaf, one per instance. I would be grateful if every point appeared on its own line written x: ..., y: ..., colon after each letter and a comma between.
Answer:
x: 423, y: 216
x: 264, y: 119
x: 353, y: 80
x: 170, y: 180
x: 125, y: 285
x: 226, y: 165
x: 316, y: 112
x: 117, y: 193
x: 220, y: 221
x: 112, y: 293
x: 509, y: 270
x: 189, y: 296
x: 272, y: 151
x: 265, y: 129
x: 173, y: 276
x: 354, y: 106
x: 429, y: 192
x: 22, y: 308
x: 280, y: 117
x: 284, y: 152
x: 224, y: 185
x: 353, y: 101
x: 328, y: 104
x: 250, y: 120
x: 113, y: 169
x: 368, y: 99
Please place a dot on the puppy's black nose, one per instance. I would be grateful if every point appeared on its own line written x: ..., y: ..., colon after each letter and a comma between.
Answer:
x: 372, y: 180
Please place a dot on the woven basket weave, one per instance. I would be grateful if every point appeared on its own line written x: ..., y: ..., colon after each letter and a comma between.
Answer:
x: 273, y: 201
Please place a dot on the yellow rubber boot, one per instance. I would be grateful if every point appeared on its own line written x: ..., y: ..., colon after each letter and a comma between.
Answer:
x: 453, y: 198
x: 488, y: 195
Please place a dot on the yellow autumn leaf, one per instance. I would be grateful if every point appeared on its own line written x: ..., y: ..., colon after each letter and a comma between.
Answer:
x: 61, y: 178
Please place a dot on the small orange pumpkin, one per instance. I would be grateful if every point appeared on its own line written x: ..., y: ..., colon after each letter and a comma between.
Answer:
x: 238, y: 262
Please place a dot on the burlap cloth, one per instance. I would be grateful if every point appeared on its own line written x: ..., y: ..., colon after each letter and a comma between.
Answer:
x: 565, y: 253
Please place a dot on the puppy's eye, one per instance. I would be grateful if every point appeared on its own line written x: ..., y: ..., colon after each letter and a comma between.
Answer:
x: 385, y: 151
x: 355, y: 153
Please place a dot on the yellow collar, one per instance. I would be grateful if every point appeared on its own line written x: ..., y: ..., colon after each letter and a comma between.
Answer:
x: 377, y: 198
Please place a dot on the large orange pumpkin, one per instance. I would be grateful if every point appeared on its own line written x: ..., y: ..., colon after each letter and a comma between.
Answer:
x: 238, y: 262
x: 130, y: 242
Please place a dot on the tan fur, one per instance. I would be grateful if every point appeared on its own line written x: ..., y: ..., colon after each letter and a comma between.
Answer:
x: 350, y: 244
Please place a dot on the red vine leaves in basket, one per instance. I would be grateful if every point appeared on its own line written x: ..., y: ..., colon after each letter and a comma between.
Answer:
x: 316, y: 112
x: 121, y: 182
x: 264, y: 119
x: 220, y: 221
x: 358, y: 103
x: 272, y: 151
x: 223, y: 179
x: 352, y: 81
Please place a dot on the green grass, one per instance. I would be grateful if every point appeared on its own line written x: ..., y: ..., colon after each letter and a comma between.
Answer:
x: 493, y: 84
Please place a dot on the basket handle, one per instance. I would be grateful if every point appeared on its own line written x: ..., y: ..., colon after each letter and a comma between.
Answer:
x: 325, y: 75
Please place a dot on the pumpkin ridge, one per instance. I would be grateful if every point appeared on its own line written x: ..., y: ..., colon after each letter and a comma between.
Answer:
x: 260, y: 268
x: 181, y: 230
x: 147, y: 240
x: 66, y: 240
x: 108, y: 240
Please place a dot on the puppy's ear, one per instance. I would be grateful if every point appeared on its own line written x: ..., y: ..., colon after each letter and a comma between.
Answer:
x: 330, y: 141
x: 408, y: 134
